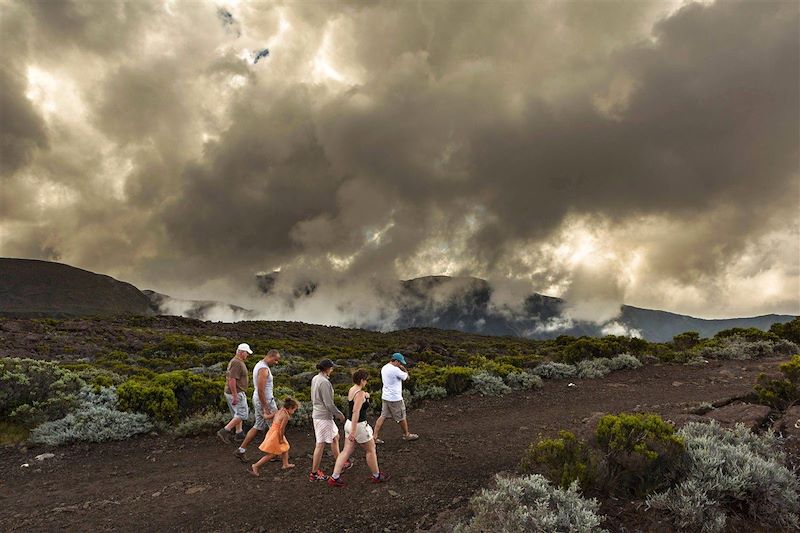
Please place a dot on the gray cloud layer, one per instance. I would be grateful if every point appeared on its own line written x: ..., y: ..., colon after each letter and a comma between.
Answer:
x: 608, y: 151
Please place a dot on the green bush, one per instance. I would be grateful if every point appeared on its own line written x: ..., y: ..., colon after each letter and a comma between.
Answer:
x: 642, y: 452
x: 789, y: 331
x: 194, y: 393
x: 33, y: 391
x: 157, y: 401
x: 731, y: 472
x: 780, y: 393
x: 457, y: 379
x: 563, y: 460
x: 480, y: 362
x: 530, y: 503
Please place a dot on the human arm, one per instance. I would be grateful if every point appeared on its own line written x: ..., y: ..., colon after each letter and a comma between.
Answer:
x: 401, y: 372
x: 234, y: 390
x: 261, y: 385
x: 326, y: 393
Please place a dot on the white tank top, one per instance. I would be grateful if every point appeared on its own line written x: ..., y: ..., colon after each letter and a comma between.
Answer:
x: 268, y: 387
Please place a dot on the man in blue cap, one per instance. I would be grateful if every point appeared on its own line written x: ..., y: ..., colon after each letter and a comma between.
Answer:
x: 393, y: 374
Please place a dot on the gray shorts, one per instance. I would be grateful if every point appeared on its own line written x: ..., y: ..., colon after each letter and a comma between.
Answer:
x: 240, y: 409
x: 262, y: 424
x: 394, y: 410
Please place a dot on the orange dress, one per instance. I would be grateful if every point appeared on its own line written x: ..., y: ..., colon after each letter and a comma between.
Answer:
x: 272, y: 442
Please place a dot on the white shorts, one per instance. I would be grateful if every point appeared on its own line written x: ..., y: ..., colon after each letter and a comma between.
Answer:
x: 364, y: 433
x: 325, y: 430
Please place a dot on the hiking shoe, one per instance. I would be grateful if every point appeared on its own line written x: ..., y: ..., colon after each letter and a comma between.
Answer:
x: 224, y: 435
x: 348, y: 465
x: 336, y: 482
x: 380, y: 441
x: 382, y: 478
x: 319, y: 475
x: 411, y: 436
x: 239, y: 437
x: 239, y: 455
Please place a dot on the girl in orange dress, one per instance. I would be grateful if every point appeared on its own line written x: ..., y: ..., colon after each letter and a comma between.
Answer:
x: 275, y: 442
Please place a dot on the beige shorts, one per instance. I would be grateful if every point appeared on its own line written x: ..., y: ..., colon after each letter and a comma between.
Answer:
x: 325, y: 431
x: 364, y: 433
x: 394, y: 410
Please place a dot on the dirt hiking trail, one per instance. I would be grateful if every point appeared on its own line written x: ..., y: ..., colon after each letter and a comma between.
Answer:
x: 169, y: 484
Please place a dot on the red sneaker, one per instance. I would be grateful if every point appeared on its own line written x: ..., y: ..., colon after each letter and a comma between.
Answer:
x: 336, y: 482
x: 348, y: 465
x: 319, y: 475
x: 382, y: 478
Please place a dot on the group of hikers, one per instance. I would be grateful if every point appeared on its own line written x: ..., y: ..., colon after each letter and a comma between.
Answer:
x: 324, y: 415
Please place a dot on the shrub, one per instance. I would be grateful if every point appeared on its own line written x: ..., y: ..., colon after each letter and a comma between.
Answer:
x: 95, y: 420
x: 202, y: 423
x: 731, y: 471
x: 155, y: 400
x: 487, y: 384
x: 789, y: 331
x: 493, y: 367
x: 780, y: 393
x: 623, y: 361
x: 686, y: 341
x: 194, y: 393
x: 523, y: 381
x: 530, y: 503
x: 592, y: 368
x: 642, y: 452
x: 563, y: 460
x: 33, y: 391
x: 555, y: 371
x: 457, y: 379
x: 428, y: 392
x: 740, y: 348
x: 302, y: 417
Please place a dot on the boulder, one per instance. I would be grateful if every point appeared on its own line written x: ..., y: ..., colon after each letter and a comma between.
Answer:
x: 789, y: 424
x: 751, y: 415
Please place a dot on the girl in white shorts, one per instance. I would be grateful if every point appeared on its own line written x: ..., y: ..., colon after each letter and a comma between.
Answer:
x: 357, y: 430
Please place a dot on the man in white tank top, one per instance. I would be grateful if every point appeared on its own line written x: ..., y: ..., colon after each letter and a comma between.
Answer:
x: 264, y: 405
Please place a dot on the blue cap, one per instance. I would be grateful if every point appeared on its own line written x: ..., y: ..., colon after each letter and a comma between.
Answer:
x: 398, y: 357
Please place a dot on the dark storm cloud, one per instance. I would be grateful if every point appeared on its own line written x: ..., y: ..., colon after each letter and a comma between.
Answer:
x: 399, y: 139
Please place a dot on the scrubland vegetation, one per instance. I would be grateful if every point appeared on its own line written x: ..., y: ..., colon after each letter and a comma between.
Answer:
x: 139, y: 373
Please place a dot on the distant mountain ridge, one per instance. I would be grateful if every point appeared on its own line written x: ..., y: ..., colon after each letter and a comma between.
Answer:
x: 42, y: 288
x: 464, y: 304
x: 29, y: 287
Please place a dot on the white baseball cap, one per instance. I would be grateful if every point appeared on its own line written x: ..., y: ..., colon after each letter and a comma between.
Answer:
x: 245, y: 348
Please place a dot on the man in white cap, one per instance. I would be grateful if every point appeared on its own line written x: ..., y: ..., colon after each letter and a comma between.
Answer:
x: 236, y: 394
x: 393, y: 374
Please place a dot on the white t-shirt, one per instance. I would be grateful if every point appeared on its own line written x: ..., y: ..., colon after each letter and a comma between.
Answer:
x: 393, y: 379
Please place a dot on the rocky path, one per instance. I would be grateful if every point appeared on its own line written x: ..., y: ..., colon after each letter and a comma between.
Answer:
x: 165, y: 484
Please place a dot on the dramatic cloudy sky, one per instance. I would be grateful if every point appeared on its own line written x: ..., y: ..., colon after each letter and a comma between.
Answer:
x: 633, y: 151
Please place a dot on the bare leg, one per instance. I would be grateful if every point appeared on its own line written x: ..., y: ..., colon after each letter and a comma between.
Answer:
x: 404, y: 426
x: 335, y: 448
x: 378, y: 426
x: 286, y: 464
x: 319, y: 449
x: 343, y: 457
x: 249, y: 437
x: 256, y: 466
x: 235, y: 422
x: 372, y: 456
x: 239, y: 425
